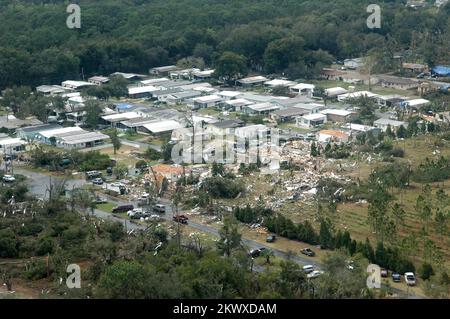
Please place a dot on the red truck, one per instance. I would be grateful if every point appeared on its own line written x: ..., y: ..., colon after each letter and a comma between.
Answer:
x: 180, y: 219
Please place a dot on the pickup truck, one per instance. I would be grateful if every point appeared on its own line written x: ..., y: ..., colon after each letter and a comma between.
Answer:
x: 180, y: 219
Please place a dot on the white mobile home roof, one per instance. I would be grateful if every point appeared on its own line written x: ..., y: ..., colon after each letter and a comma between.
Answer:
x: 61, y: 131
x: 154, y: 81
x: 315, y: 116
x: 76, y: 84
x: 354, y: 95
x: 84, y: 137
x: 390, y: 122
x: 416, y: 102
x: 121, y: 116
x: 279, y: 82
x: 141, y: 89
x: 303, y: 86
x: 253, y: 79
x: 336, y: 112
x: 229, y: 94
x: 11, y: 141
x: 238, y: 102
x: 335, y: 91
x: 162, y: 126
x: 208, y: 98
x: 261, y: 107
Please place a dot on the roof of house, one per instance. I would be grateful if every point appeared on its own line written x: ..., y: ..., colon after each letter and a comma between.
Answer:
x: 98, y: 78
x: 120, y: 116
x: 290, y: 111
x: 141, y: 89
x: 228, y: 124
x: 39, y: 128
x: 238, y: 102
x: 76, y: 84
x: 166, y: 92
x: 165, y: 68
x: 253, y: 80
x: 315, y: 116
x: 262, y: 107
x: 335, y: 91
x: 384, y: 121
x: 10, y: 122
x: 303, y: 86
x: 154, y: 81
x: 354, y: 95
x: 230, y: 94
x: 280, y: 82
x: 208, y: 99
x: 416, y: 102
x: 167, y: 169
x: 11, y: 141
x: 334, y: 133
x: 162, y: 126
x: 337, y: 112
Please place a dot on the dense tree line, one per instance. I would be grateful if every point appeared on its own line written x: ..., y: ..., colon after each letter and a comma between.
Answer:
x: 292, y: 37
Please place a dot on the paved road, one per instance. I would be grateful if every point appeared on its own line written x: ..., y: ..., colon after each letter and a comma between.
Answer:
x: 38, y: 184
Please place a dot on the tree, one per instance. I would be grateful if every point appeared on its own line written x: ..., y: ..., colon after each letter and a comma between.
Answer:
x: 115, y: 140
x: 93, y: 111
x: 401, y: 132
x: 426, y: 271
x: 314, y: 151
x: 230, y: 238
x: 325, y: 235
x: 230, y: 66
x: 120, y: 170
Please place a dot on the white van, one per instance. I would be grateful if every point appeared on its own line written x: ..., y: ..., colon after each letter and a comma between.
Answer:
x: 308, y: 268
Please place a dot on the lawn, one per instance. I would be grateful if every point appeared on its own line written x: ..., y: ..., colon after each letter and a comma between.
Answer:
x: 106, y: 207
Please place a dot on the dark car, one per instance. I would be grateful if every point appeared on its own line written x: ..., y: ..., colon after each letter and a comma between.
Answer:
x: 255, y: 253
x: 122, y: 209
x: 308, y: 252
x: 180, y: 219
x: 396, y: 277
x: 271, y: 238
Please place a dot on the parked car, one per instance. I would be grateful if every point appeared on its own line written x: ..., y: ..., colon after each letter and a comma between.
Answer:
x: 8, y: 178
x: 314, y: 274
x: 308, y: 252
x: 135, y: 211
x: 308, y: 269
x: 97, y: 181
x: 396, y: 277
x: 93, y: 174
x: 255, y: 253
x: 384, y: 273
x: 100, y: 200
x: 410, y: 278
x: 180, y: 219
x: 122, y: 209
x: 116, y: 184
x: 159, y: 208
x: 109, y: 171
x: 271, y: 238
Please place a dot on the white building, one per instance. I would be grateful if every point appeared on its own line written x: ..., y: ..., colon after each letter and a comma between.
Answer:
x: 311, y: 120
x: 335, y: 91
x: 207, y: 101
x: 303, y: 89
x: 76, y: 85
x: 355, y: 95
x: 384, y: 123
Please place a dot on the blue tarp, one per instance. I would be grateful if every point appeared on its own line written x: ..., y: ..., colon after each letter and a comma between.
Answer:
x: 123, y: 106
x: 441, y: 70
